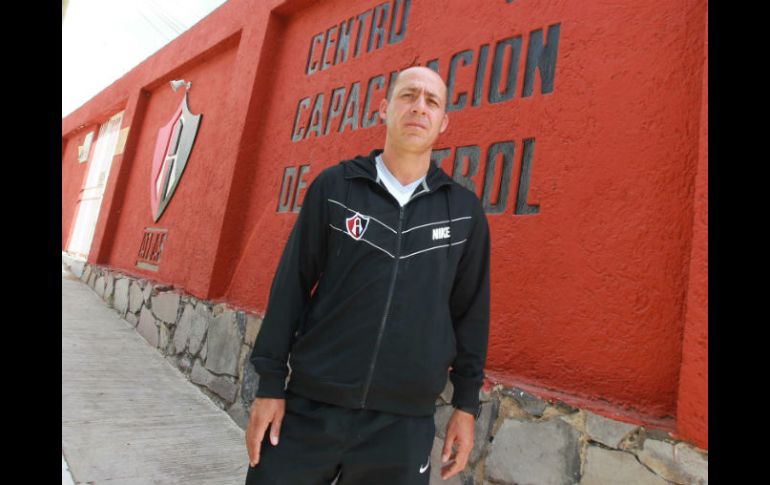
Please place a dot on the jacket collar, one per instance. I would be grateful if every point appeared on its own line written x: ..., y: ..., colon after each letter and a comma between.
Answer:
x: 365, y: 166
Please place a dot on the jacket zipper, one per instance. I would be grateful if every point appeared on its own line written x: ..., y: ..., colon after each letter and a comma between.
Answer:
x: 390, y: 295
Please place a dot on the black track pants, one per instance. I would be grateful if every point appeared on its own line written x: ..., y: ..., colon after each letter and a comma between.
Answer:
x: 320, y: 442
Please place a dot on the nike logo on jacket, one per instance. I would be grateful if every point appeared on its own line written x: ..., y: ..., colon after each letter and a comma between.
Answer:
x: 402, y: 295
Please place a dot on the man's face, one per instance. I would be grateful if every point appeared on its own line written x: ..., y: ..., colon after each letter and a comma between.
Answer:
x: 416, y: 112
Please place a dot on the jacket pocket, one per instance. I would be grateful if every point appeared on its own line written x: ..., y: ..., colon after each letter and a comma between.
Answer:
x: 415, y: 358
x: 302, y: 324
x: 453, y: 349
x: 450, y: 352
x: 333, y: 350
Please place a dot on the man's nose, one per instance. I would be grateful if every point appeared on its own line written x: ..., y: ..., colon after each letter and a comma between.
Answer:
x: 420, y: 104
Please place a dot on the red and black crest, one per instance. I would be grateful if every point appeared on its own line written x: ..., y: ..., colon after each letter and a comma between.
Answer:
x: 356, y: 225
x: 172, y: 150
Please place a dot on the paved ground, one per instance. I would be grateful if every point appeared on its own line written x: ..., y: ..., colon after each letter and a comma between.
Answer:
x: 128, y: 415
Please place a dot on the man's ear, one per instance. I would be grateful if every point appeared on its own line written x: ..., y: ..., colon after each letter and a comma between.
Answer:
x: 444, y: 123
x: 383, y: 109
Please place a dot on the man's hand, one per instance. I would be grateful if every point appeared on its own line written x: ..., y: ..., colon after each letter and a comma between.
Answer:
x: 264, y: 410
x: 459, y: 429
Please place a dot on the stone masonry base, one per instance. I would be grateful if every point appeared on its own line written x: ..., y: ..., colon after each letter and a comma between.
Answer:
x: 519, y: 438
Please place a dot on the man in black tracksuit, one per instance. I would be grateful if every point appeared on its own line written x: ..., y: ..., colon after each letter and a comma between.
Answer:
x: 401, y: 255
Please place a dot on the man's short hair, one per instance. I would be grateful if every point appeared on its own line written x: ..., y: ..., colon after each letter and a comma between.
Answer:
x: 389, y: 94
x: 395, y: 81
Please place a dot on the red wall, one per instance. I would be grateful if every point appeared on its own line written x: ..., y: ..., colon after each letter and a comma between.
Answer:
x: 692, y: 406
x: 597, y: 294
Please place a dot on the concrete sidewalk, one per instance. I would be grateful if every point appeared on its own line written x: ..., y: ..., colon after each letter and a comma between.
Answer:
x: 129, y: 416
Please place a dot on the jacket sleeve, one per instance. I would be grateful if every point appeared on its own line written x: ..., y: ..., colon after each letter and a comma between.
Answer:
x: 298, y: 270
x: 469, y: 306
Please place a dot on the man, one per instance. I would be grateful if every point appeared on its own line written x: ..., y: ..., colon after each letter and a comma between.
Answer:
x: 400, y: 255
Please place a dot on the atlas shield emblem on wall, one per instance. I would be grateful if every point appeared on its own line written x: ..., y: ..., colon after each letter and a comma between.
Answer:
x: 172, y: 150
x: 356, y: 225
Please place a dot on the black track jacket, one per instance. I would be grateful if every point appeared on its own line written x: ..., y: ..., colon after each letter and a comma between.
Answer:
x: 402, y: 295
